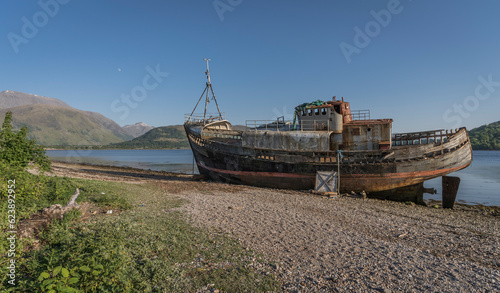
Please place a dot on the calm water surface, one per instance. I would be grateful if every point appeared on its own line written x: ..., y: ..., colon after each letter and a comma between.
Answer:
x: 480, y: 182
x: 179, y: 161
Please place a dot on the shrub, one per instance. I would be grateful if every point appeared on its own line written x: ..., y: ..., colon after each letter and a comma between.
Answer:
x: 17, y: 150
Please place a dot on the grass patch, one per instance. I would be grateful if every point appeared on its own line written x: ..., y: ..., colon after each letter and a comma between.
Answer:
x: 150, y: 247
x: 104, y: 194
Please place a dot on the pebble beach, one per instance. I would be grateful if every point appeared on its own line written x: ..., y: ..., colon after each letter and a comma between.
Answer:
x: 357, y: 245
x: 346, y: 244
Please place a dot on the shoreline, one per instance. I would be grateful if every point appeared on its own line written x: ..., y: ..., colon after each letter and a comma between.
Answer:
x: 91, y: 148
x: 347, y: 244
x: 159, y: 174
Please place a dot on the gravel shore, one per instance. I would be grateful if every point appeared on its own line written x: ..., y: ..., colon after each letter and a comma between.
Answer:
x: 347, y: 244
x: 357, y: 245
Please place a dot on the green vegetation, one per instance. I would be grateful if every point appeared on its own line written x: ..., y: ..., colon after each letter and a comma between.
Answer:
x: 166, y: 137
x: 151, y: 247
x: 144, y: 245
x: 486, y: 137
x: 17, y: 150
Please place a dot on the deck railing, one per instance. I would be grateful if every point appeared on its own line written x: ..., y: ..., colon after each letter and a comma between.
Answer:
x: 284, y: 125
x: 360, y: 115
x: 203, y: 118
x: 424, y: 137
x: 274, y: 125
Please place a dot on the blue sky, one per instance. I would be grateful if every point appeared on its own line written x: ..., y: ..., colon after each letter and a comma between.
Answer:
x: 426, y: 64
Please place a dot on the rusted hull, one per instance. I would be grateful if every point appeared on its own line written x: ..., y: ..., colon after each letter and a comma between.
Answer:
x: 233, y: 163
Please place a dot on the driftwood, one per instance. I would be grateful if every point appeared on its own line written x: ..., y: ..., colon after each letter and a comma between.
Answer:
x: 40, y: 220
x: 57, y: 211
x: 72, y: 200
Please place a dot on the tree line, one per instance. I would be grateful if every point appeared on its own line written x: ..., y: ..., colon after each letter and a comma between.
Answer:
x: 486, y: 137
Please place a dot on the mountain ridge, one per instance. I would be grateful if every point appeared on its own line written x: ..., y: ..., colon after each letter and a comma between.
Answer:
x: 53, y: 122
x: 12, y: 99
x: 137, y: 129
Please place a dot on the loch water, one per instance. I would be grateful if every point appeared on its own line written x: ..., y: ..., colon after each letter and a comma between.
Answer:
x: 480, y: 182
x: 177, y: 161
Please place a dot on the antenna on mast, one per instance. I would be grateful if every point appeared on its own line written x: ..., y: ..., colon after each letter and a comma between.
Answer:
x: 208, y: 71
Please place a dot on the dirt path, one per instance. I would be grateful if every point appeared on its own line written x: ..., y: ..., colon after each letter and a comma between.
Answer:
x: 339, y: 245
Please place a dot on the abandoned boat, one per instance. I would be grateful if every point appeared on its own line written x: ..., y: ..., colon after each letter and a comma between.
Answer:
x: 324, y: 136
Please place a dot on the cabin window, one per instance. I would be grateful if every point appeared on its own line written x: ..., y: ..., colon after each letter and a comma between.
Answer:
x: 323, y: 112
x: 303, y: 113
x: 309, y: 112
x: 316, y: 112
x: 337, y: 108
x: 356, y: 131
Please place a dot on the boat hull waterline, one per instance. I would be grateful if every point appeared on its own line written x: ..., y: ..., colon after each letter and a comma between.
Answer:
x: 409, y: 165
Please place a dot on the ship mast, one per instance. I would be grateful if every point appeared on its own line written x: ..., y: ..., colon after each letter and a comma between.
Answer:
x: 208, y: 89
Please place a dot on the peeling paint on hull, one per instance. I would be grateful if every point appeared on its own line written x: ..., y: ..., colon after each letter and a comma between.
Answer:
x: 371, y: 171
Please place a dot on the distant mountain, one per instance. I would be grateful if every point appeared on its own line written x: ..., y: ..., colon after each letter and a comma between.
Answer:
x: 52, y: 122
x: 486, y: 137
x: 137, y: 129
x: 165, y: 137
x: 11, y: 99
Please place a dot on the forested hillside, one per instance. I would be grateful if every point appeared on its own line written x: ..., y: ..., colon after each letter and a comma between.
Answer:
x: 486, y: 137
x: 166, y: 137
